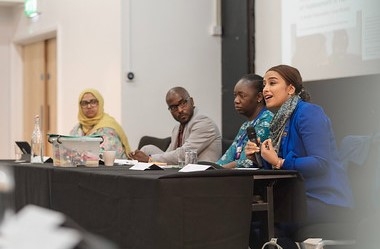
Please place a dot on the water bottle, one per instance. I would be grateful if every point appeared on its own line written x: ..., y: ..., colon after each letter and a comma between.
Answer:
x: 37, y: 142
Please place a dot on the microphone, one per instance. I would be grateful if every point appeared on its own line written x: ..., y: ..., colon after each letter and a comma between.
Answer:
x: 251, y: 134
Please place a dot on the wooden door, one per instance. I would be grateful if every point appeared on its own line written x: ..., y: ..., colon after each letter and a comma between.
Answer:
x: 51, y: 90
x: 39, y: 61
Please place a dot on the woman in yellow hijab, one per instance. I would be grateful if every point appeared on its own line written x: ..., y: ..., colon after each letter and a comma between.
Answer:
x: 94, y: 121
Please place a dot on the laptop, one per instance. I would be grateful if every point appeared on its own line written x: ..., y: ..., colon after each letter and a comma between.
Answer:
x: 24, y: 147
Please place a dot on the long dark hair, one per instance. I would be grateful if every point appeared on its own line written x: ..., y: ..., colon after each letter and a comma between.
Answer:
x: 292, y: 76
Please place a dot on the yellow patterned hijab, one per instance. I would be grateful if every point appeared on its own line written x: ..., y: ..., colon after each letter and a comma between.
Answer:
x: 102, y: 119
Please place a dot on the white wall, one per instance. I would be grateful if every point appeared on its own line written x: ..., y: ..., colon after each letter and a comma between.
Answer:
x: 169, y: 43
x: 88, y: 55
x: 268, y: 51
x: 5, y: 34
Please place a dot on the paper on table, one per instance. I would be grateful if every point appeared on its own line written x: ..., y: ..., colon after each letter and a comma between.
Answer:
x: 125, y: 162
x: 246, y: 168
x: 145, y: 166
x: 195, y: 167
x: 36, y: 159
x: 169, y: 166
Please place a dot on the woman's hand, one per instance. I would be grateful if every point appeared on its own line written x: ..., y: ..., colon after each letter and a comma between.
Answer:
x: 250, y: 149
x: 270, y: 155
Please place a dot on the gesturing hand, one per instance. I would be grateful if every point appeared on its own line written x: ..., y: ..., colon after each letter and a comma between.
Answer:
x: 270, y: 155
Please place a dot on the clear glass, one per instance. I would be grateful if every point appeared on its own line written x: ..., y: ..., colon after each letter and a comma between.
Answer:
x: 191, y: 156
x: 181, y: 157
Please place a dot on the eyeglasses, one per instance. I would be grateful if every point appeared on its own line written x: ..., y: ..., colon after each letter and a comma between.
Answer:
x: 182, y: 103
x: 91, y: 102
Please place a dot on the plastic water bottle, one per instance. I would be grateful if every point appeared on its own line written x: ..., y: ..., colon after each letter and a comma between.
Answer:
x: 37, y: 142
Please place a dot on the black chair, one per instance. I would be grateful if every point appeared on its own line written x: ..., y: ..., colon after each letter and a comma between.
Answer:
x: 162, y: 143
x: 226, y: 143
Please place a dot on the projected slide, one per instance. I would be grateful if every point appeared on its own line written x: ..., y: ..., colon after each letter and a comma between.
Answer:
x: 331, y: 38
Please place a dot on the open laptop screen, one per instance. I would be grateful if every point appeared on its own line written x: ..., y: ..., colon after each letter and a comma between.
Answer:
x: 24, y: 146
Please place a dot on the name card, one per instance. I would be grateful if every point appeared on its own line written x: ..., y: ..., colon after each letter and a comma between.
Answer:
x: 195, y: 167
x: 126, y: 162
x: 145, y: 166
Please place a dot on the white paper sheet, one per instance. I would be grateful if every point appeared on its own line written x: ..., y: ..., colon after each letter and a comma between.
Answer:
x: 126, y: 162
x: 195, y: 167
x: 144, y: 166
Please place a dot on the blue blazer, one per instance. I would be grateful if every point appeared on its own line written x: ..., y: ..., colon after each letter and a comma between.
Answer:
x: 308, y: 145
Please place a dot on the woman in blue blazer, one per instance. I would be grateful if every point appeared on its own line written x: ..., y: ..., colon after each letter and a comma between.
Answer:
x: 302, y: 139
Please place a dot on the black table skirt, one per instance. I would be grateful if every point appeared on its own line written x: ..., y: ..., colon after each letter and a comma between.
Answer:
x: 155, y: 208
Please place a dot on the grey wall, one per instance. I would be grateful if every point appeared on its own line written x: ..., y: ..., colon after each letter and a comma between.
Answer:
x: 353, y: 103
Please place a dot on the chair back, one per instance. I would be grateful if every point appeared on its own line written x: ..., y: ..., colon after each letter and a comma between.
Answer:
x: 226, y: 143
x: 162, y: 143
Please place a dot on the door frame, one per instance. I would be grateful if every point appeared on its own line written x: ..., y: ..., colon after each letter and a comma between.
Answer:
x: 16, y: 89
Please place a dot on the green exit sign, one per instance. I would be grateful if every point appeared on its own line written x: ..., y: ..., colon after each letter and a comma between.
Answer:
x: 30, y: 8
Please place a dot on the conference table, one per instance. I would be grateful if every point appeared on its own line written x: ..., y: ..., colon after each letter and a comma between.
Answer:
x: 152, y: 208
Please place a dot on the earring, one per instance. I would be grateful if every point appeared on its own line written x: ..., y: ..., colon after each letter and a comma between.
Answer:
x: 258, y: 101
